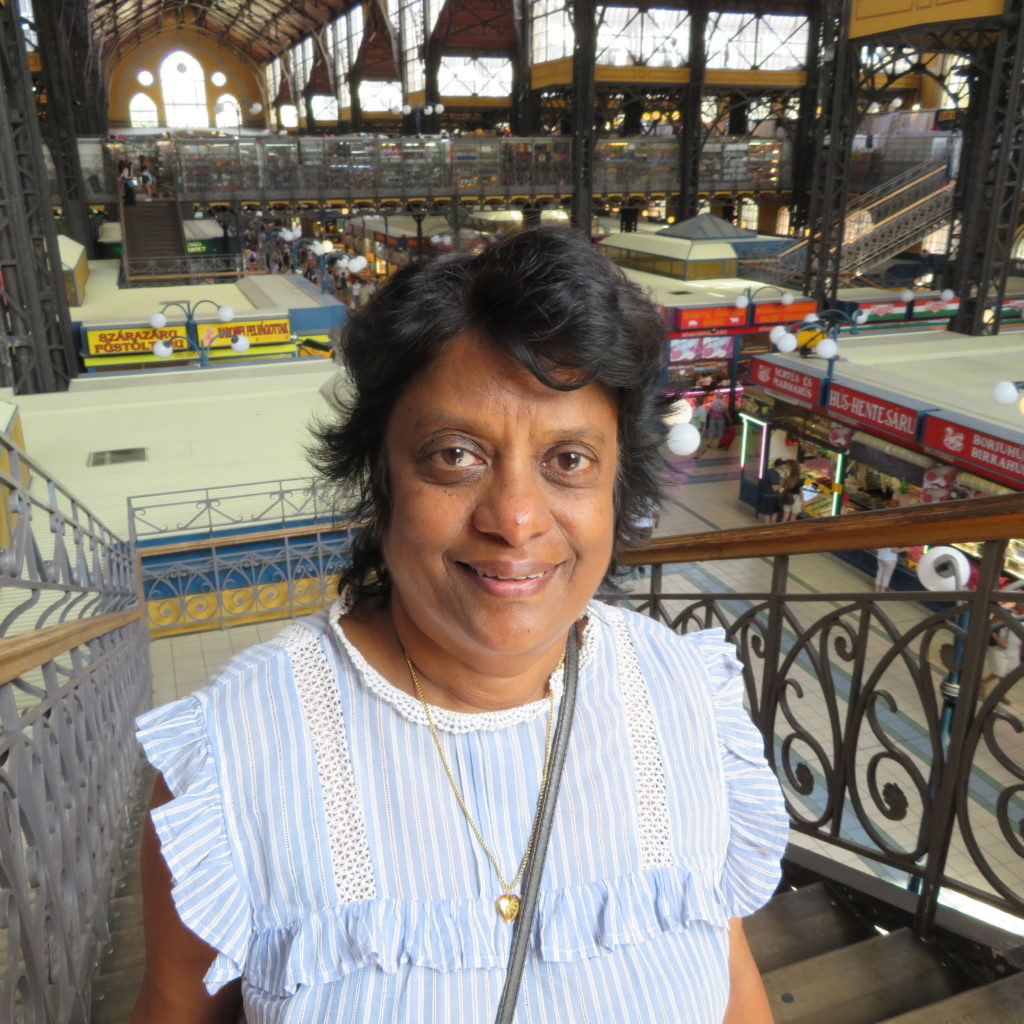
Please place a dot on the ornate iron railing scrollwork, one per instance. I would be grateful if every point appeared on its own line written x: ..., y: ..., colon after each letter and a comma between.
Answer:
x: 850, y: 692
x: 74, y: 672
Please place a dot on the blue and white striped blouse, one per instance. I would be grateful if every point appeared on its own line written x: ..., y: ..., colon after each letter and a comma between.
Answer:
x: 315, y: 843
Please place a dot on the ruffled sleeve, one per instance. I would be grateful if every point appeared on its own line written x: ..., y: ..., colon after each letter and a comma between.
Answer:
x: 210, y: 897
x: 758, y: 822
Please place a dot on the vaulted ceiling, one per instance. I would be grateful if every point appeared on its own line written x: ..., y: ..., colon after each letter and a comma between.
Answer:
x: 262, y: 29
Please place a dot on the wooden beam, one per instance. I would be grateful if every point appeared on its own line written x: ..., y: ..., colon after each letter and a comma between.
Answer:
x: 19, y: 654
x: 975, y: 519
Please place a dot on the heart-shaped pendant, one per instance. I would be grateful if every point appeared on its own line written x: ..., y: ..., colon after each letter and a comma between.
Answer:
x: 508, y: 906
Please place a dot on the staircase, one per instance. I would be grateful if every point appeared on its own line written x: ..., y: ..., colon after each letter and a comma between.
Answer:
x: 153, y: 242
x: 837, y: 947
x: 878, y: 226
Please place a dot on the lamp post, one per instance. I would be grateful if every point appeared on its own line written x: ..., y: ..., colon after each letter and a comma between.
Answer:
x: 746, y: 301
x: 290, y: 236
x: 163, y: 348
x: 322, y: 250
x: 422, y: 110
x: 827, y: 325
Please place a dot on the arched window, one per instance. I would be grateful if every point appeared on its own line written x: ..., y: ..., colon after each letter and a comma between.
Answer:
x: 184, y: 89
x: 142, y: 111
x: 227, y: 113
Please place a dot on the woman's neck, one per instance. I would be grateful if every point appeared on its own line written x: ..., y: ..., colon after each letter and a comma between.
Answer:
x: 468, y: 682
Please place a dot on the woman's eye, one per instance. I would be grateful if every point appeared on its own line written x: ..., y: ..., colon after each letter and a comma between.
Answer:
x: 570, y: 462
x: 458, y: 457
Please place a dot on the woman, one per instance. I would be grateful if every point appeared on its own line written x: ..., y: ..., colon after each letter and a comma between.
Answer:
x: 126, y: 182
x: 792, y: 494
x: 887, y: 559
x: 768, y: 488
x: 356, y: 804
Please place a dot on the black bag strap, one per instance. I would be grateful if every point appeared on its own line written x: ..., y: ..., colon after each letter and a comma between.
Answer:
x: 534, y: 870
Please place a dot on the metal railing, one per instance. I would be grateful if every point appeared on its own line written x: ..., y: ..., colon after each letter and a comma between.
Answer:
x: 149, y: 270
x: 214, y: 557
x: 871, y: 704
x: 200, y: 512
x: 353, y: 169
x: 74, y: 673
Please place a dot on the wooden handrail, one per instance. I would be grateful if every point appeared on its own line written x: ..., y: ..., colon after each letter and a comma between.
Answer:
x: 19, y: 654
x: 974, y: 519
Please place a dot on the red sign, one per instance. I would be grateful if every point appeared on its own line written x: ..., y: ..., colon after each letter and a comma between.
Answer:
x: 708, y: 316
x: 780, y: 313
x: 791, y: 382
x: 990, y: 455
x: 888, y: 417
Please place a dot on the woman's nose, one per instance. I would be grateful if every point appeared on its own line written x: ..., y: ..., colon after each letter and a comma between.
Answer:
x: 515, y: 506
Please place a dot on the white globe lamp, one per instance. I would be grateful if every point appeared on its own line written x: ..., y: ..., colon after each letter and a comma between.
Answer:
x: 157, y: 320
x: 162, y: 349
x: 225, y: 313
x: 1005, y: 393
x: 786, y: 342
x: 827, y: 348
x: 683, y: 439
x: 240, y: 343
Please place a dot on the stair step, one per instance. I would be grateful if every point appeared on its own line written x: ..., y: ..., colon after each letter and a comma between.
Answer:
x: 799, y: 924
x: 999, y: 1002
x: 867, y: 982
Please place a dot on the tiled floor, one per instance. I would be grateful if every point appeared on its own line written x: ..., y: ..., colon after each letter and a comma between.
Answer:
x: 218, y: 427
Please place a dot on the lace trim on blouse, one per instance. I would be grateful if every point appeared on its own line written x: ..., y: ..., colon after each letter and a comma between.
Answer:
x: 652, y: 820
x: 444, y: 719
x: 317, y: 687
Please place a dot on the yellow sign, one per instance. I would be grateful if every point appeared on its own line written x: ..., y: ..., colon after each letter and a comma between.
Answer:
x: 872, y: 17
x: 121, y: 341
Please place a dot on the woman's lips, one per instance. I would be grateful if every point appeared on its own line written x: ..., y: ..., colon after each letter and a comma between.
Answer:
x: 509, y: 579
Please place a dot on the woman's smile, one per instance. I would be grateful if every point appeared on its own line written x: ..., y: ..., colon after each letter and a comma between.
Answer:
x: 509, y: 580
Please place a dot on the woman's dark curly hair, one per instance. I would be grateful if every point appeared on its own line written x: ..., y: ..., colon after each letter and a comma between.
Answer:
x: 550, y: 301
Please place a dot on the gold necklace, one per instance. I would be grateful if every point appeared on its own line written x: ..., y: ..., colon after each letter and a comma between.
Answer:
x: 508, y: 902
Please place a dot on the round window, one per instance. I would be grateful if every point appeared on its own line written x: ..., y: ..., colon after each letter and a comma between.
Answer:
x: 218, y: 78
x: 144, y: 78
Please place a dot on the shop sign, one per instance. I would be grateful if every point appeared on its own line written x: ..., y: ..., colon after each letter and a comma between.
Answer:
x: 712, y: 316
x: 934, y: 308
x: 982, y: 451
x: 689, y: 349
x: 123, y: 341
x: 791, y: 382
x: 889, y: 417
x: 779, y: 313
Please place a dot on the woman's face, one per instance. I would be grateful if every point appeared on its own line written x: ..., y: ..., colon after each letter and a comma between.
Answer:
x: 502, y: 518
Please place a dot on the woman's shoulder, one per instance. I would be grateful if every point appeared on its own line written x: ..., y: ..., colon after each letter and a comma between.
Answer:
x: 702, y: 655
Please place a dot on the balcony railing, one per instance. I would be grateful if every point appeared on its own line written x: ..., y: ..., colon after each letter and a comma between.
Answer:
x: 74, y: 673
x: 870, y: 704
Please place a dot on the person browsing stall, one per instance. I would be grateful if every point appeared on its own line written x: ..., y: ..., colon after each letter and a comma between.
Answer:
x: 355, y: 814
